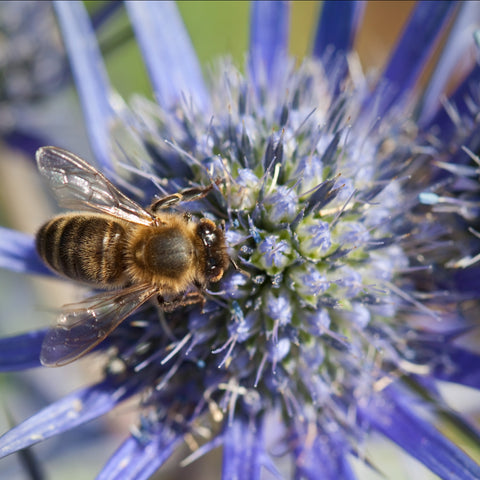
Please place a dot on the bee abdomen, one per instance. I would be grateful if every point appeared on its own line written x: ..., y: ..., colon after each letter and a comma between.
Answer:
x: 84, y: 248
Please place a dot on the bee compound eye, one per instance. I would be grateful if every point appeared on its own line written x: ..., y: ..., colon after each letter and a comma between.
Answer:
x: 210, y: 238
x: 208, y: 234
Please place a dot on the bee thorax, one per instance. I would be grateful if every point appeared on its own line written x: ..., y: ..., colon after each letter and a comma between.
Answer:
x: 169, y: 254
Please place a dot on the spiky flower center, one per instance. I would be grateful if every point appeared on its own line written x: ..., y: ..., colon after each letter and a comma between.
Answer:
x: 319, y: 220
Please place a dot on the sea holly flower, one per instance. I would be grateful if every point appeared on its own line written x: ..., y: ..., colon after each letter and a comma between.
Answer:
x: 346, y: 303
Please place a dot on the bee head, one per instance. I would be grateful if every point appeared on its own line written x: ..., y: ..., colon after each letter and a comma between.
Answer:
x: 213, y: 241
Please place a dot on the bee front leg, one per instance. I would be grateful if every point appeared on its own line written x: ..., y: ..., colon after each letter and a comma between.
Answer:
x: 181, y: 301
x: 165, y: 202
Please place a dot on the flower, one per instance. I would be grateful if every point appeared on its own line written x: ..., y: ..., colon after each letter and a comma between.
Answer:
x: 349, y: 301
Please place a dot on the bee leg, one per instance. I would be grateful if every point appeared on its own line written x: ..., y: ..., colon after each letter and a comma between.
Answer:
x: 180, y: 301
x: 165, y: 202
x: 187, y: 195
x: 196, y: 193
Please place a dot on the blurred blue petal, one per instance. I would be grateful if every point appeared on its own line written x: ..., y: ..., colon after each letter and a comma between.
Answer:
x: 463, y: 366
x: 90, y: 76
x: 446, y: 127
x: 244, y: 451
x: 455, y: 51
x: 18, y: 253
x: 269, y: 31
x: 320, y: 457
x: 26, y: 141
x: 392, y: 415
x: 447, y: 358
x: 337, y: 26
x: 104, y: 12
x: 241, y: 451
x: 21, y: 351
x: 412, y: 51
x: 169, y: 55
x: 65, y: 414
x: 137, y: 460
x: 335, y: 32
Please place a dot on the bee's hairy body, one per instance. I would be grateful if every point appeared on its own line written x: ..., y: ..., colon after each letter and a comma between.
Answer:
x: 110, y: 253
x: 137, y: 254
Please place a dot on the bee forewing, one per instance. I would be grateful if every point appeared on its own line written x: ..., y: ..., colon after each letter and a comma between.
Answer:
x: 77, y: 185
x: 82, y: 326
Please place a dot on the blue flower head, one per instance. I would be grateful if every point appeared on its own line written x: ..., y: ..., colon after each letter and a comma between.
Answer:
x: 349, y: 213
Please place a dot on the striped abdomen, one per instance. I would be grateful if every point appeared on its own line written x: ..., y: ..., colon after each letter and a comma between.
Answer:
x: 88, y: 248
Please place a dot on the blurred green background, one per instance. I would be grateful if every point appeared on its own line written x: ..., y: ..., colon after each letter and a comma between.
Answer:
x: 220, y: 28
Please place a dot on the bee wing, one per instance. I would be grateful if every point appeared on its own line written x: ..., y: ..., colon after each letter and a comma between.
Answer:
x: 77, y: 185
x: 81, y: 326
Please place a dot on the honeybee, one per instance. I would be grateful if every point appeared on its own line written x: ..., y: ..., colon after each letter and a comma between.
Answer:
x: 114, y: 243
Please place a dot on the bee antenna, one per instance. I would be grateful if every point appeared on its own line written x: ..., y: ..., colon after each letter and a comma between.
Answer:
x: 238, y: 269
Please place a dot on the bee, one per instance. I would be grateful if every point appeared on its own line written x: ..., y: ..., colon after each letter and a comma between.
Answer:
x: 115, y: 244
